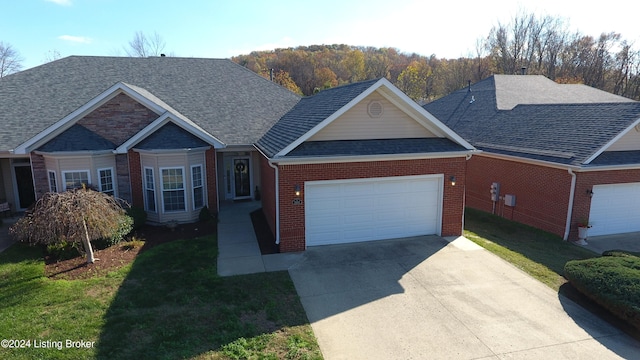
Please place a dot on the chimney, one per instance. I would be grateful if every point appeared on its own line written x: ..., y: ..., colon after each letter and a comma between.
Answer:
x: 523, y: 70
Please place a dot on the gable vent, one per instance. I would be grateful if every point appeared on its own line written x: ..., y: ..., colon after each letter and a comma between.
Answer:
x: 375, y: 109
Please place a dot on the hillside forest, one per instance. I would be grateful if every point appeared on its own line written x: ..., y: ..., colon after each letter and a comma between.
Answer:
x: 531, y: 44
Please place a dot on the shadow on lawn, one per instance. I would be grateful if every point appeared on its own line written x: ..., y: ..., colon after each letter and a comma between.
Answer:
x: 172, y: 304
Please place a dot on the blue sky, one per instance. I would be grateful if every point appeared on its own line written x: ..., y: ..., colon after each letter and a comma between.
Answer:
x: 224, y: 28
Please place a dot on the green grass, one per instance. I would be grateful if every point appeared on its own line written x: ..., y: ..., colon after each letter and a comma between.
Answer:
x: 538, y: 253
x: 168, y: 304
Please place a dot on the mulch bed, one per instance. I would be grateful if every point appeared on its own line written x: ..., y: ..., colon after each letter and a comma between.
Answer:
x: 266, y: 241
x: 116, y: 256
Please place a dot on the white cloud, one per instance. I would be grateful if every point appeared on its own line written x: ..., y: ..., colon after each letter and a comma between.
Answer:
x: 76, y: 39
x: 61, y: 2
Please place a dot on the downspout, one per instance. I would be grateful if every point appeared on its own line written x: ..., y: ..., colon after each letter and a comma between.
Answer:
x: 275, y: 167
x: 572, y: 192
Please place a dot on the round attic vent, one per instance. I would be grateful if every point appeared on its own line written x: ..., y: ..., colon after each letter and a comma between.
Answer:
x: 375, y: 109
x: 638, y: 128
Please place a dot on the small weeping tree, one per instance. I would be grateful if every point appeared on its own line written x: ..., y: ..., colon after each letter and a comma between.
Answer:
x: 79, y: 216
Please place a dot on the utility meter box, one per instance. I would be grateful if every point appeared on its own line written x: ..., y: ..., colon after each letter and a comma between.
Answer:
x: 510, y: 200
x: 495, y: 191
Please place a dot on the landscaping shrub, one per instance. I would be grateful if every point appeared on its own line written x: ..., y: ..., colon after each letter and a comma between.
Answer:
x: 63, y: 250
x: 125, y: 225
x: 612, y: 281
x: 205, y: 214
x: 138, y: 215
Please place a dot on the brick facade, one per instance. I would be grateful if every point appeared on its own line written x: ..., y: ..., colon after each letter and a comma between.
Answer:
x: 292, y: 222
x: 40, y: 176
x: 135, y: 174
x: 542, y: 192
x: 268, y: 193
x: 118, y: 119
x: 123, y: 178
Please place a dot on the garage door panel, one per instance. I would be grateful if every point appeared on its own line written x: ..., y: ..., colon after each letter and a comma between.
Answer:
x: 615, y: 209
x: 372, y: 209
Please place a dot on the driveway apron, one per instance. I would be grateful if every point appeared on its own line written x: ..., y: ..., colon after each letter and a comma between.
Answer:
x: 431, y: 298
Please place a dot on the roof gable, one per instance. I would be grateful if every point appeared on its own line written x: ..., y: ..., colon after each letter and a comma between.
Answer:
x: 567, y: 134
x: 222, y: 98
x: 513, y: 90
x: 313, y: 114
x: 374, y: 117
x: 77, y: 138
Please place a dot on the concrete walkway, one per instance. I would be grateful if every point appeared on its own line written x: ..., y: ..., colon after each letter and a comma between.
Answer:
x: 238, y: 250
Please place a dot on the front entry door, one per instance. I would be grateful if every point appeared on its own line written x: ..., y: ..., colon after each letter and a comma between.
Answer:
x: 24, y: 185
x: 241, y: 177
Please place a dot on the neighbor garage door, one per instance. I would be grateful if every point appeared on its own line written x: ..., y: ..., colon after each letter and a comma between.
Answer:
x: 615, y: 209
x: 343, y: 211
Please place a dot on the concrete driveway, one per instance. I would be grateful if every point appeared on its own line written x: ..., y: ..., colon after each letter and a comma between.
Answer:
x: 428, y: 298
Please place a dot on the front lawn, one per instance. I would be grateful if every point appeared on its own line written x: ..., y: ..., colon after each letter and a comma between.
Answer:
x: 168, y: 304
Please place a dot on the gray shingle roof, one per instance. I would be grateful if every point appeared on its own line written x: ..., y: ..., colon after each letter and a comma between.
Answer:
x: 230, y: 102
x: 563, y: 133
x: 77, y: 138
x: 617, y: 158
x: 308, y: 113
x: 170, y: 136
x: 375, y: 147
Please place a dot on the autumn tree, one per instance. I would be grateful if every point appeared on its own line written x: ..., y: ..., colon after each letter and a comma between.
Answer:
x: 77, y: 216
x: 413, y: 80
x: 10, y: 59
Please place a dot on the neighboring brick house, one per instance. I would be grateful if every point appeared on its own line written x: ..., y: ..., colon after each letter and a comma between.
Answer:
x: 172, y: 135
x: 561, y: 154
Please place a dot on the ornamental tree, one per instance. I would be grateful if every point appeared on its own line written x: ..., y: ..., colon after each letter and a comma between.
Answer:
x: 80, y: 216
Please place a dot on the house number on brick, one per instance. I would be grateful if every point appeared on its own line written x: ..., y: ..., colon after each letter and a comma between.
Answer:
x: 297, y: 201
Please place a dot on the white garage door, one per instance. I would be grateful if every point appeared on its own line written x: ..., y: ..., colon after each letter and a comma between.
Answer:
x: 343, y: 211
x: 615, y: 209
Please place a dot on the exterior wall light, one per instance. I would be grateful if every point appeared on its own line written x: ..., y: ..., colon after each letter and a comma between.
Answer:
x: 297, y: 189
x: 453, y: 180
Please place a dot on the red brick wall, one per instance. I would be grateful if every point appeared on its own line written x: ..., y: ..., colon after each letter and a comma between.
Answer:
x: 210, y: 168
x: 267, y: 192
x: 292, y: 231
x: 542, y: 193
x: 585, y: 181
x: 40, y: 176
x: 135, y: 173
x: 118, y: 119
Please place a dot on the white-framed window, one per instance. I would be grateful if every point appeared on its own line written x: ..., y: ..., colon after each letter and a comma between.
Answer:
x: 75, y: 179
x: 105, y: 180
x: 173, y: 190
x: 197, y: 183
x: 149, y: 190
x: 53, y: 184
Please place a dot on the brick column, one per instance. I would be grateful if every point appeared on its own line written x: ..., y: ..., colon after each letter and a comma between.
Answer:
x: 135, y: 176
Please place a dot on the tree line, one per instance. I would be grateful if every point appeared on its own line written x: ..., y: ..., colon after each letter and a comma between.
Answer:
x: 540, y: 45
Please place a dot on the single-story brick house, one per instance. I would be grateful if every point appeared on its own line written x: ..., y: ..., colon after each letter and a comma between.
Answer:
x: 172, y: 135
x: 561, y: 153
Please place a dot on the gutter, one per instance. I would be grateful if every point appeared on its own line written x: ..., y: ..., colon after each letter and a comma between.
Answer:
x: 572, y: 193
x: 383, y: 157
